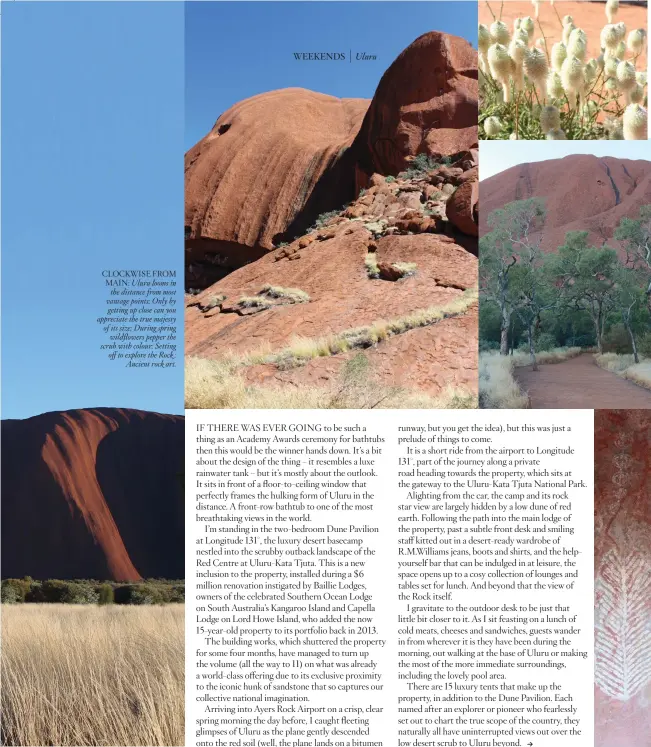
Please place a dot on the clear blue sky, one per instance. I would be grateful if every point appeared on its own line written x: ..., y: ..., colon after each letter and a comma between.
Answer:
x: 499, y: 155
x: 238, y: 49
x: 92, y: 178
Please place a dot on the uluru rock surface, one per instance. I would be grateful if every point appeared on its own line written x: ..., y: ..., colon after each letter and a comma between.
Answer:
x: 380, y: 177
x: 622, y: 525
x: 272, y: 163
x: 581, y: 192
x: 93, y: 493
x: 426, y: 102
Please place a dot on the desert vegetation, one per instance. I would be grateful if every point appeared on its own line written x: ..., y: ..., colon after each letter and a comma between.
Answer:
x: 221, y: 385
x: 531, y: 89
x: 544, y: 307
x: 83, y: 591
x: 92, y: 675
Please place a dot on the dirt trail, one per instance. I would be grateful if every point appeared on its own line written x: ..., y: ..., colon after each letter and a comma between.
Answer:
x: 580, y: 383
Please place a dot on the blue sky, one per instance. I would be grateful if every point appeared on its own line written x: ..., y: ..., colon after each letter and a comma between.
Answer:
x: 238, y: 49
x: 499, y: 155
x: 92, y: 177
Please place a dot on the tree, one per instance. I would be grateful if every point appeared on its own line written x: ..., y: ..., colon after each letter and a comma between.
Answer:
x: 629, y: 301
x: 586, y: 277
x: 512, y: 237
x: 533, y: 292
x: 635, y: 237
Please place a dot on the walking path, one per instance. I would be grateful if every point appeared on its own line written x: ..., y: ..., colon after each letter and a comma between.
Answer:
x: 580, y: 383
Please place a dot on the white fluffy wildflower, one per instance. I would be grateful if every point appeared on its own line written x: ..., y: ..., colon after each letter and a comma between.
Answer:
x: 567, y: 30
x: 626, y: 76
x: 555, y: 88
x: 636, y: 41
x: 527, y: 25
x: 641, y: 78
x: 636, y: 94
x: 609, y: 37
x: 612, y: 6
x: 499, y: 33
x: 535, y: 65
x: 577, y: 44
x: 634, y: 122
x: 492, y: 126
x: 558, y: 55
x: 572, y: 76
x: 557, y: 134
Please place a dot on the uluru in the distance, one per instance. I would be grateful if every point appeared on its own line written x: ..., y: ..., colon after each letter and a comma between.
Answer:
x: 331, y: 244
x: 93, y: 493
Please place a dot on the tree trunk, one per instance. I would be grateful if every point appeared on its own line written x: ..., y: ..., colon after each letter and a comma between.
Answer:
x: 532, y: 352
x: 597, y: 328
x: 504, y: 331
x: 627, y: 324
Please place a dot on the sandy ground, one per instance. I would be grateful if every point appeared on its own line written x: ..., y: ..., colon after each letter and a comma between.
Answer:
x: 590, y: 16
x: 579, y: 383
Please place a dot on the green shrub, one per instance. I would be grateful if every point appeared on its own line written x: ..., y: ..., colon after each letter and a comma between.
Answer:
x: 545, y: 341
x: 617, y: 340
x: 106, y: 594
x: 644, y: 344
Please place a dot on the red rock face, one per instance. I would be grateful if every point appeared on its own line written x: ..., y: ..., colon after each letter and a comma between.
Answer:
x: 270, y: 162
x: 274, y: 162
x: 93, y: 494
x: 426, y: 102
x: 622, y: 578
x: 582, y: 193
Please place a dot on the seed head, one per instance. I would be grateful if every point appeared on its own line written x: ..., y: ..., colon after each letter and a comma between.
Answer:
x: 535, y: 65
x: 499, y: 33
x: 636, y: 41
x: 626, y: 76
x: 577, y: 44
x: 636, y: 94
x: 555, y: 88
x: 528, y: 25
x: 558, y: 55
x: 635, y: 122
x: 557, y: 134
x: 492, y: 126
x: 572, y: 75
x: 612, y: 6
x: 609, y: 37
x: 483, y: 38
x: 499, y: 62
x: 641, y: 78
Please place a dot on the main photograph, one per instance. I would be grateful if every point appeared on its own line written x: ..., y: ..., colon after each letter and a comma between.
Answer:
x: 331, y: 205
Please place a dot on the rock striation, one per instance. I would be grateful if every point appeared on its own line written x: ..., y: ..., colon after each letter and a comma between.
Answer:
x: 93, y: 493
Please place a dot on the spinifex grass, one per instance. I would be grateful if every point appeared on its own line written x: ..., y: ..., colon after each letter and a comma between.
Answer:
x: 92, y: 675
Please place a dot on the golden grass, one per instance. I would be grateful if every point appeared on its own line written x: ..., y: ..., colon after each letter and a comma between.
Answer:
x: 626, y: 367
x: 556, y: 355
x: 89, y: 675
x: 498, y: 389
x: 370, y: 262
x: 405, y: 268
x: 211, y: 385
x: 293, y: 295
x: 639, y: 373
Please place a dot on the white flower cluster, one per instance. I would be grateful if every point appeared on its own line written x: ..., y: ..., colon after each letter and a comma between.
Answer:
x: 563, y: 77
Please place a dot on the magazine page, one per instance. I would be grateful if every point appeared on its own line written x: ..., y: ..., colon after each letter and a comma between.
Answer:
x: 326, y: 404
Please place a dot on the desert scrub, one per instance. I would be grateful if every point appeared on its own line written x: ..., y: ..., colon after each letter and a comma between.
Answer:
x: 400, y: 269
x: 626, y: 367
x: 292, y: 295
x: 92, y: 675
x: 211, y: 386
x: 405, y: 269
x: 372, y: 269
x: 531, y: 89
x: 302, y: 350
x: 255, y: 302
x: 498, y: 388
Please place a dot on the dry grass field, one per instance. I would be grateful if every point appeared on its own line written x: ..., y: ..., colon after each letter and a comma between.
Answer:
x: 91, y: 675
